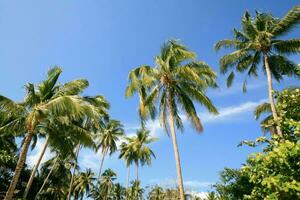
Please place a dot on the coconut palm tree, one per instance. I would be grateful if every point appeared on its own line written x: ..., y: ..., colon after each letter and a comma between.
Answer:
x: 135, y: 191
x: 156, y: 193
x: 142, y: 153
x: 83, y: 183
x: 58, y: 130
x: 119, y: 192
x: 107, y: 183
x: 54, y: 186
x: 108, y: 137
x: 176, y: 80
x: 30, y: 114
x: 261, y: 40
x: 127, y: 154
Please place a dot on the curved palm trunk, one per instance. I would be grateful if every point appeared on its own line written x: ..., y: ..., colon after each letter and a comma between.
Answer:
x: 19, y: 167
x: 176, y: 152
x: 271, y: 99
x: 73, y: 173
x: 101, y: 165
x: 35, y: 168
x: 46, y: 179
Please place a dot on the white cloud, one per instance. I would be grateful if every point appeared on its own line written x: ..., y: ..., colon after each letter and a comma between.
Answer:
x: 190, y: 185
x: 231, y: 112
x: 89, y: 159
x: 34, y: 155
x: 226, y: 114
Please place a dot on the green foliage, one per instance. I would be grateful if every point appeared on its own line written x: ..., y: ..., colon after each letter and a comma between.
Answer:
x: 173, y: 84
x: 259, y: 38
x: 275, y: 174
x: 288, y: 108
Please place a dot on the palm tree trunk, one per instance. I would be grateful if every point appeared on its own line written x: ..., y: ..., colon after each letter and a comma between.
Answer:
x: 101, y: 165
x: 48, y: 176
x: 137, y: 171
x: 176, y: 151
x: 73, y: 173
x: 35, y: 168
x: 128, y: 176
x: 19, y: 167
x: 127, y: 187
x: 271, y: 99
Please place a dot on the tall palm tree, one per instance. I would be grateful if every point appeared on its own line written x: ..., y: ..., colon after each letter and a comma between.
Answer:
x: 176, y: 80
x: 142, y: 153
x: 108, y: 137
x: 126, y: 153
x: 33, y: 112
x: 83, y: 183
x: 54, y: 186
x: 52, y: 129
x: 261, y: 40
x: 107, y: 183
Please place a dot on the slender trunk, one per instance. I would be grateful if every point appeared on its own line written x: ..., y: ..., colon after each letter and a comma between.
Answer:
x: 73, y: 173
x: 101, y: 165
x: 137, y: 181
x: 35, y: 168
x: 271, y: 99
x: 127, y: 187
x: 176, y: 151
x: 48, y: 176
x: 137, y: 171
x: 128, y: 176
x: 19, y: 167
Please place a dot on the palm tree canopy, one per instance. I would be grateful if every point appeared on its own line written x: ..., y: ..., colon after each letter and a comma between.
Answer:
x: 259, y: 37
x: 83, y: 182
x: 177, y: 79
x: 109, y: 135
x: 135, y: 148
x: 47, y: 100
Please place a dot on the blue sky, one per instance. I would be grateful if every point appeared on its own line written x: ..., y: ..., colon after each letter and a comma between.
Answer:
x: 102, y: 40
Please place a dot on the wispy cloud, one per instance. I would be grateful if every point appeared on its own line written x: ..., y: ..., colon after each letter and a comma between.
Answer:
x: 191, y: 185
x: 231, y: 112
x: 34, y: 155
x: 226, y: 115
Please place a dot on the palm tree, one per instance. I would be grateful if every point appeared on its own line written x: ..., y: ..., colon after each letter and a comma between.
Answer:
x: 29, y: 115
x: 136, y: 191
x: 56, y: 130
x: 156, y: 193
x: 142, y: 153
x: 176, y: 80
x: 108, y: 137
x: 83, y: 183
x: 212, y: 196
x: 127, y: 154
x: 259, y: 41
x: 54, y: 186
x: 119, y: 192
x: 107, y: 184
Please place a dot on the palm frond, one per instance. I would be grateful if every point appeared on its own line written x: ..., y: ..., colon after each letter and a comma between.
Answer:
x: 262, y: 109
x: 288, y: 22
x: 287, y: 46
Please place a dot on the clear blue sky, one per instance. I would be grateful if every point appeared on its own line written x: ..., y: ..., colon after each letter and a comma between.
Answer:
x: 102, y: 40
